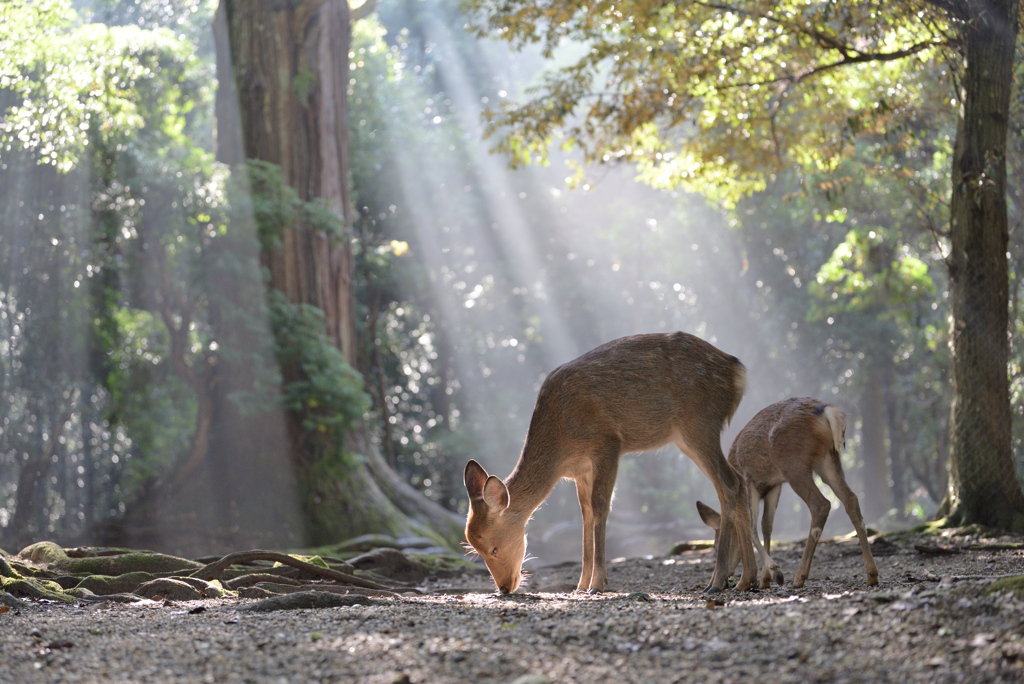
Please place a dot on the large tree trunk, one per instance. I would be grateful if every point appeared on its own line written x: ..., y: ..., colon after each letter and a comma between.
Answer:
x: 31, y: 480
x: 897, y: 456
x: 291, y: 76
x: 285, y: 66
x: 983, y: 486
x: 876, y: 471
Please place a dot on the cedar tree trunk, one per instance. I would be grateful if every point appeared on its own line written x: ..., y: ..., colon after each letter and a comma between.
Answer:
x: 285, y: 65
x: 983, y: 487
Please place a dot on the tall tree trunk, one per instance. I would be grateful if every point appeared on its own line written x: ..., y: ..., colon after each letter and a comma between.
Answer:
x: 983, y: 487
x: 897, y: 455
x: 876, y: 471
x: 287, y: 63
x: 32, y: 479
x: 291, y: 77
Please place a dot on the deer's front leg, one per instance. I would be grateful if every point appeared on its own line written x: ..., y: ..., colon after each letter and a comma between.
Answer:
x: 604, y: 488
x: 584, y: 494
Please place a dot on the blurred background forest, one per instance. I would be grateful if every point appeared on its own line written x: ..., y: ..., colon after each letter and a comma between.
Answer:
x: 157, y: 390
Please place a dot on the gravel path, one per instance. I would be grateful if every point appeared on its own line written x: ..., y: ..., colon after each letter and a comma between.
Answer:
x: 934, y: 618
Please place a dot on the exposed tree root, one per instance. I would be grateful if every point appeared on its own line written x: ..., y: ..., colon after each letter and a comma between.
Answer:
x: 214, y: 570
x: 45, y: 570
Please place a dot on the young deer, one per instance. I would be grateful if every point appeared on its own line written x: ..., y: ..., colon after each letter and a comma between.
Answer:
x: 632, y: 394
x: 788, y: 442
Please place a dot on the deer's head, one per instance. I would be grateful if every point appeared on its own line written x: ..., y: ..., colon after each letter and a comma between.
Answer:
x: 494, y: 532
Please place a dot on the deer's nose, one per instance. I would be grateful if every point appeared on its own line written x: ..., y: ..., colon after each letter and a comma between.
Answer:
x: 504, y: 589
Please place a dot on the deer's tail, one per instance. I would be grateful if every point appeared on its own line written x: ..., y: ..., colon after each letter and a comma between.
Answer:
x: 837, y: 421
x: 739, y: 384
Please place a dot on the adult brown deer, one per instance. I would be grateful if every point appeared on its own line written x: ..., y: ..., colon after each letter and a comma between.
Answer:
x: 789, y: 441
x: 632, y: 394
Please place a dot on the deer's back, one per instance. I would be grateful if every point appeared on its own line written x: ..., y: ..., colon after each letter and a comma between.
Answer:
x: 793, y: 430
x: 639, y: 389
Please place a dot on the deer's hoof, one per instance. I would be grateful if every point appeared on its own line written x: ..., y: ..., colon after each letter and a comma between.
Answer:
x: 777, y: 576
x: 712, y: 589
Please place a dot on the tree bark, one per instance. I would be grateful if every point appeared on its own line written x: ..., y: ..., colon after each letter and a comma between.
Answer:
x: 876, y: 472
x: 287, y: 62
x: 290, y: 73
x: 897, y: 456
x: 32, y: 475
x: 983, y: 487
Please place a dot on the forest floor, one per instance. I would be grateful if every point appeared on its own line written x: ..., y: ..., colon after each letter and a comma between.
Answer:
x: 945, y: 611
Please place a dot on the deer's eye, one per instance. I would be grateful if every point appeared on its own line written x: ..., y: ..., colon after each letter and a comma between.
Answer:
x: 494, y: 551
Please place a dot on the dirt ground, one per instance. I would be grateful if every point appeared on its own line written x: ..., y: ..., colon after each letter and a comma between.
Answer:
x: 938, y: 615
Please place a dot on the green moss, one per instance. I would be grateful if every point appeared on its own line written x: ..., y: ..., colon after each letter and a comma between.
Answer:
x: 44, y: 552
x: 312, y: 560
x: 6, y: 570
x: 932, y: 527
x: 41, y: 589
x: 104, y: 585
x: 1013, y: 585
x: 126, y: 563
x: 212, y: 588
x: 303, y: 84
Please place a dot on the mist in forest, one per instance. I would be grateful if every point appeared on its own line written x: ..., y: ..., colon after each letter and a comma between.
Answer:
x: 472, y: 282
x: 531, y: 272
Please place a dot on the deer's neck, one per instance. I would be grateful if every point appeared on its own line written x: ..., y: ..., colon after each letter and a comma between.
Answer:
x: 533, y: 478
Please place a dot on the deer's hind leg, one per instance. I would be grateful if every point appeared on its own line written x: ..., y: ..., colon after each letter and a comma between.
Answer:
x: 733, y: 499
x: 771, y: 503
x: 831, y: 472
x: 769, y: 568
x: 801, y: 479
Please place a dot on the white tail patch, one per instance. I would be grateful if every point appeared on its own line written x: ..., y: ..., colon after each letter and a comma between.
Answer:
x: 837, y: 421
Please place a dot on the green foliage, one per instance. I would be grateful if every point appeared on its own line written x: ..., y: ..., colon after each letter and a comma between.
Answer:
x: 137, y: 242
x: 863, y: 274
x: 276, y: 206
x: 152, y: 405
x: 303, y: 85
x: 327, y: 395
x: 714, y: 97
x: 87, y: 82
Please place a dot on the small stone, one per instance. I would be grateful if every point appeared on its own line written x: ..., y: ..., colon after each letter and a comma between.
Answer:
x: 716, y: 644
x: 531, y: 679
x: 982, y: 639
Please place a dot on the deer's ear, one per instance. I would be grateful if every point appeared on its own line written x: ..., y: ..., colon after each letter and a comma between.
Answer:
x: 495, y: 494
x: 710, y: 516
x: 475, y: 477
